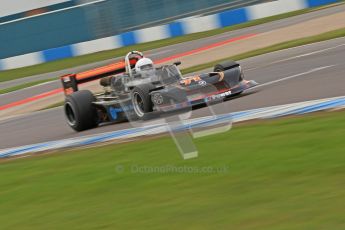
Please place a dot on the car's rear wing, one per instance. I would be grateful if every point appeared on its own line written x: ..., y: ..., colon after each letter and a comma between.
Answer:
x: 70, y: 82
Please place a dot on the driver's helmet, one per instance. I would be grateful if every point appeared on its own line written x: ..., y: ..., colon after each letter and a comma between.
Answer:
x: 144, y: 66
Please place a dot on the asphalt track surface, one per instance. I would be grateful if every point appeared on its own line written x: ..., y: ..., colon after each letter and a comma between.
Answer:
x: 299, y: 74
x: 159, y: 53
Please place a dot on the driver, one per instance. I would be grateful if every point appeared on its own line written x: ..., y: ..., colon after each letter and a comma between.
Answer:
x: 145, y: 67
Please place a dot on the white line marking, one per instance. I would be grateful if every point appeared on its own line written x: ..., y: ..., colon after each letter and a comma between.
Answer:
x: 292, y: 48
x: 293, y: 76
x: 308, y: 54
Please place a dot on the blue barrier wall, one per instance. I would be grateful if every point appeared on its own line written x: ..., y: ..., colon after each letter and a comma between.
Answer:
x: 44, y: 32
x: 314, y: 3
x: 145, y: 11
x: 94, y: 21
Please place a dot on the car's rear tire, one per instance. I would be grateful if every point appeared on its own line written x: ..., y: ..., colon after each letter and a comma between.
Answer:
x: 225, y: 66
x: 80, y: 113
x: 141, y: 101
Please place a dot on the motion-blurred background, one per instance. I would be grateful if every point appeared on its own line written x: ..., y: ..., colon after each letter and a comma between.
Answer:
x: 29, y: 26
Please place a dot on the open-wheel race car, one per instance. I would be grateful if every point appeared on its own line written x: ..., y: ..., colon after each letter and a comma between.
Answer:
x: 135, y: 89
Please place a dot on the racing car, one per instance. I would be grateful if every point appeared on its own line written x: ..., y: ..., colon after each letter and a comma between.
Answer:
x: 133, y: 91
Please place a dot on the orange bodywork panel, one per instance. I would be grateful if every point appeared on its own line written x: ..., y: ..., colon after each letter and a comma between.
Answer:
x: 101, y: 70
x: 70, y: 82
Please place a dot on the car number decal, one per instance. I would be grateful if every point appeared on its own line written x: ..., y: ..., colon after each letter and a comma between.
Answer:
x: 188, y: 81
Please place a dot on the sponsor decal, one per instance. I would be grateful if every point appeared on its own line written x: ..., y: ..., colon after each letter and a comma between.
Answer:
x: 66, y: 79
x: 218, y: 96
x: 202, y: 83
x: 188, y: 81
x: 113, y: 113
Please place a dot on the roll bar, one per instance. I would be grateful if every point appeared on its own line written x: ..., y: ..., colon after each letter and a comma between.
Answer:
x: 129, y: 56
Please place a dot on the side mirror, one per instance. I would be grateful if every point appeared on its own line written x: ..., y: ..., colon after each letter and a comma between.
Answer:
x: 177, y: 63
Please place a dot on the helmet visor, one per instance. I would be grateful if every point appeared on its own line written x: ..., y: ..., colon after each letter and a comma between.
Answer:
x: 146, y: 67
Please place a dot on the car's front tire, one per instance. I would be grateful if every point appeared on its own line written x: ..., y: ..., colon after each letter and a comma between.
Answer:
x: 220, y: 67
x: 141, y: 101
x: 226, y: 65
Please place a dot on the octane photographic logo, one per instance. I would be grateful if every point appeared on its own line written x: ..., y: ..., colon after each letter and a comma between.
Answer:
x: 175, y: 112
x: 171, y: 169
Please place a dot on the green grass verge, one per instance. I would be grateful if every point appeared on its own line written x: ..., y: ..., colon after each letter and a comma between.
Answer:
x: 285, y: 45
x: 282, y: 174
x: 104, y: 55
x: 23, y: 86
